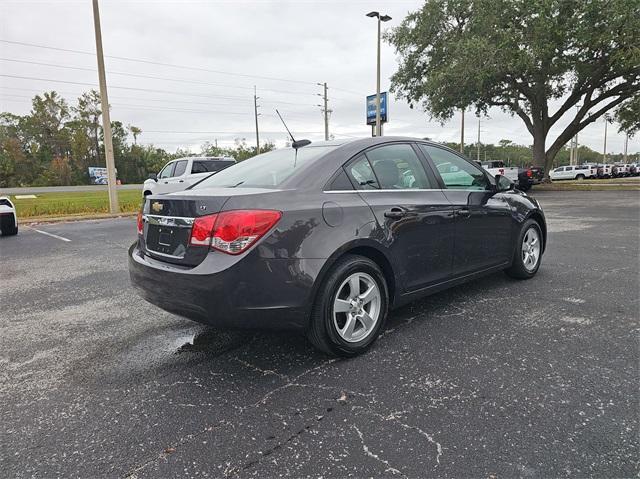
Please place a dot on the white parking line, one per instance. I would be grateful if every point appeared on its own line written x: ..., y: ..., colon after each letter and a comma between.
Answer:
x: 50, y: 234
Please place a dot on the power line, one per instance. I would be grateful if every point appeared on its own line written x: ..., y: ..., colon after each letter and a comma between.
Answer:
x: 120, y: 87
x: 153, y: 77
x: 151, y: 62
x: 146, y: 89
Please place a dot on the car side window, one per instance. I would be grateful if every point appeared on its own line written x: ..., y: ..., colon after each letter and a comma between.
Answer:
x: 167, y: 171
x: 181, y: 167
x: 557, y: 170
x: 456, y: 172
x: 397, y: 167
x: 198, y: 167
x: 362, y: 174
x: 340, y: 182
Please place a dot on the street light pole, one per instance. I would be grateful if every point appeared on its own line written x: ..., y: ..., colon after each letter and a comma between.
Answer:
x: 462, y: 133
x: 478, y: 140
x: 381, y: 18
x: 106, y: 119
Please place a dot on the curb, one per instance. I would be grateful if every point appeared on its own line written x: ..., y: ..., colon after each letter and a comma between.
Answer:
x: 84, y: 217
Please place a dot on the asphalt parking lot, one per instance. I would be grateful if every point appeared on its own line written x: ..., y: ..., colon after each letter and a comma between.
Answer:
x: 496, y: 378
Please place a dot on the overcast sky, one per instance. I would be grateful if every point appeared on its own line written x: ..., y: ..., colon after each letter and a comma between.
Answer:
x: 283, y: 47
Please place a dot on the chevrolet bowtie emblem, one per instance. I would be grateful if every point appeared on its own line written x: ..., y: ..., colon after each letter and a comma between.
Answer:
x: 157, y: 207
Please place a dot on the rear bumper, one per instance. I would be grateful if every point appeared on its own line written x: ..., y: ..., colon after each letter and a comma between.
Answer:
x: 252, y: 292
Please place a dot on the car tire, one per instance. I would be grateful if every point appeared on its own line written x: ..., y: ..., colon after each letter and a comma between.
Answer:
x: 146, y: 193
x: 8, y: 226
x: 343, y: 333
x: 580, y: 177
x: 521, y: 267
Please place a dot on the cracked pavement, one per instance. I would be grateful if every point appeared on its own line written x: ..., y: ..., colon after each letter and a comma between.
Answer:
x: 497, y: 377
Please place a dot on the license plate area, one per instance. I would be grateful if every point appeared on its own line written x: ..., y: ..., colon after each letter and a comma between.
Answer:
x: 166, y: 237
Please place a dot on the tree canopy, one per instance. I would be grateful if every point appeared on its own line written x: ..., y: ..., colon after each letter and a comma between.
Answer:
x: 56, y: 143
x: 524, y: 56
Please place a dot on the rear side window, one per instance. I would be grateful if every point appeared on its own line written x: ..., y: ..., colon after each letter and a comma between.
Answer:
x: 362, y: 174
x: 398, y: 167
x: 181, y: 167
x: 210, y: 166
x: 340, y: 182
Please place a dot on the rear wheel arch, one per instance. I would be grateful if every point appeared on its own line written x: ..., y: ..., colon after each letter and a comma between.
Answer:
x: 369, y: 251
x: 147, y: 193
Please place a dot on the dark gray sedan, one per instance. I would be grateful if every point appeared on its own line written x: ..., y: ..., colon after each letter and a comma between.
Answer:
x: 326, y: 238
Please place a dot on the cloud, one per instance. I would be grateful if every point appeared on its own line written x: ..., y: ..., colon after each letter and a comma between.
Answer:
x: 304, y: 42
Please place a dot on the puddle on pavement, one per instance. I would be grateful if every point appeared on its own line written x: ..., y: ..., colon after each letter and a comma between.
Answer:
x: 214, y: 342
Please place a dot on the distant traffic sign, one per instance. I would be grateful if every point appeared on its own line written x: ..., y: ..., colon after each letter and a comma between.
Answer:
x: 371, y: 108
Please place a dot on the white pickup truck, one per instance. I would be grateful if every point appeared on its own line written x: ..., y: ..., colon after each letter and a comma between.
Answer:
x: 178, y: 175
x: 498, y: 168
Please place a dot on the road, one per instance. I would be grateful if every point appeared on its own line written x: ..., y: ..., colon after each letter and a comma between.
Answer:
x: 34, y: 190
x: 496, y: 378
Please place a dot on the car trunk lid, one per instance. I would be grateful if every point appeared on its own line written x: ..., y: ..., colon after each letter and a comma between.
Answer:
x: 168, y: 220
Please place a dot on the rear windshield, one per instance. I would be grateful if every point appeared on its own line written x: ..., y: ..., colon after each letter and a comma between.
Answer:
x: 268, y: 170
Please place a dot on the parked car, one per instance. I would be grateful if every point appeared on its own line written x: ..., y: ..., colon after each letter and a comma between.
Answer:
x: 525, y: 179
x: 499, y: 168
x: 604, y: 171
x: 537, y: 174
x: 577, y: 172
x: 326, y: 238
x: 620, y: 170
x: 178, y: 175
x: 634, y: 169
x: 8, y: 217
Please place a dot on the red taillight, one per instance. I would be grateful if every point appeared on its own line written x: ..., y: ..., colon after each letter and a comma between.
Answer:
x: 529, y: 173
x: 140, y: 223
x: 202, y: 229
x: 233, y: 231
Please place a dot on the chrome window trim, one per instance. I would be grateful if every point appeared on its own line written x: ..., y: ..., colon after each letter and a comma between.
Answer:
x: 404, y: 190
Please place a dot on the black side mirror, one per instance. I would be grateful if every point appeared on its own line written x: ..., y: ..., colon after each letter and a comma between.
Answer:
x: 153, y: 177
x: 503, y: 183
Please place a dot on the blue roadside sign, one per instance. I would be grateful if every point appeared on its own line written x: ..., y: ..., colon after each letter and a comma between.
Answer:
x: 371, y: 108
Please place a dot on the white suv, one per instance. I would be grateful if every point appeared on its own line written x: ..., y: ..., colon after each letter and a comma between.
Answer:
x: 179, y: 174
x: 579, y: 172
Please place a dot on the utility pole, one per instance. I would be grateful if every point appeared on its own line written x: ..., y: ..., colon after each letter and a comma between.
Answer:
x: 106, y: 120
x: 325, y: 109
x: 626, y: 145
x: 462, y: 133
x: 604, y: 149
x: 255, y: 110
x: 478, y: 139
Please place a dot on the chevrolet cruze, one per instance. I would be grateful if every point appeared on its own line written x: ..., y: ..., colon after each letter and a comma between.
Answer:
x: 327, y: 237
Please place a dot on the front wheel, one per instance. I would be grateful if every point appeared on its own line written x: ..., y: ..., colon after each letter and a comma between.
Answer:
x: 528, y: 252
x: 351, y: 307
x: 580, y: 177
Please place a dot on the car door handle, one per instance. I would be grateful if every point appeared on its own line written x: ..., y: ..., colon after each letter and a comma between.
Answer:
x: 396, y: 212
x: 464, y: 213
x: 180, y: 181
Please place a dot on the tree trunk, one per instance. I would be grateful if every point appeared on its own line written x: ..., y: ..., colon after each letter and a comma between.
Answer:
x: 539, y: 150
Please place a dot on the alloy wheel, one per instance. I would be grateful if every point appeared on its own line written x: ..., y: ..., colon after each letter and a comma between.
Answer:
x: 356, y: 307
x: 531, y: 249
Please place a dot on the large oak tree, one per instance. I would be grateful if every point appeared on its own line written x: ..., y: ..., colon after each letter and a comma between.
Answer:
x: 524, y: 56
